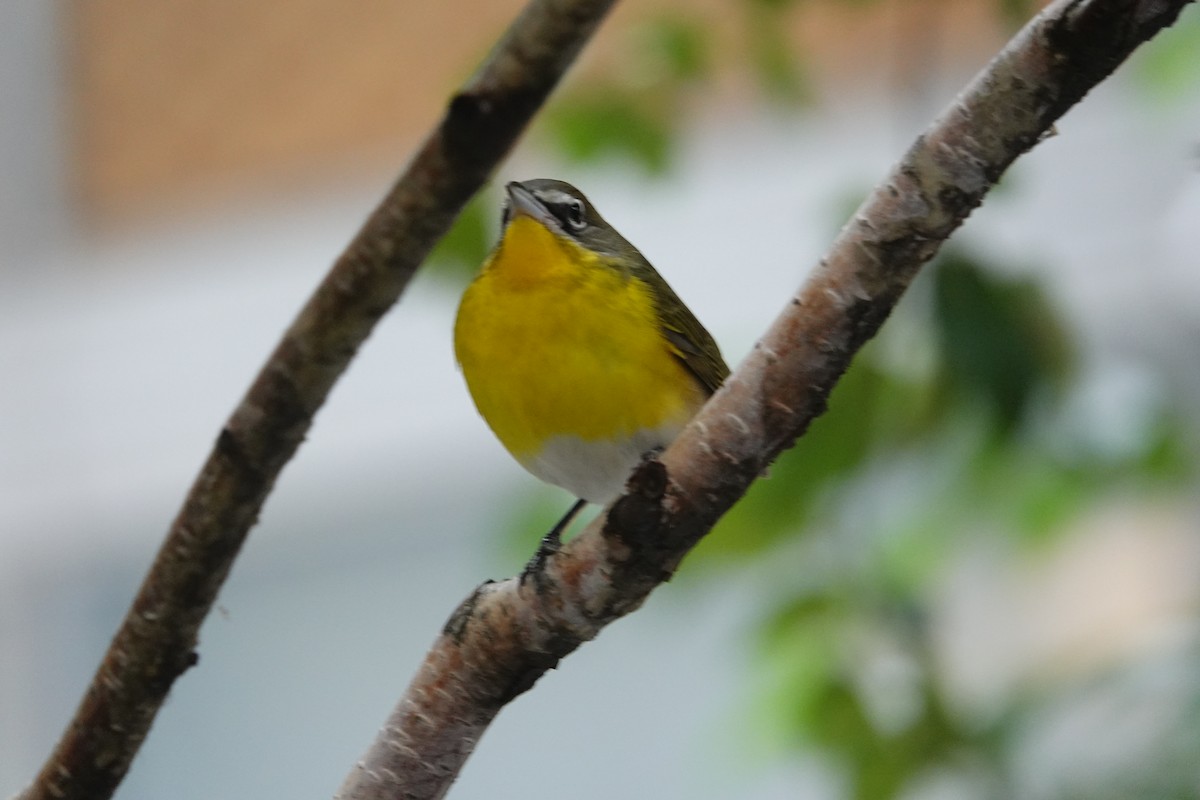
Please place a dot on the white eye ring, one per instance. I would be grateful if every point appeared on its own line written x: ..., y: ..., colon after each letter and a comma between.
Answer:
x: 575, y: 216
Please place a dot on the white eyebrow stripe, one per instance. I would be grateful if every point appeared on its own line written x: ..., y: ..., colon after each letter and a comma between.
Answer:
x: 557, y: 196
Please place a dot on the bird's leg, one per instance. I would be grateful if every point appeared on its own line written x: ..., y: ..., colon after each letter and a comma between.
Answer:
x: 552, y: 541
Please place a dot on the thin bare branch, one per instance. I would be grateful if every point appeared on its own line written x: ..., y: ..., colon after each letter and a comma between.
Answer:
x: 156, y: 642
x: 507, y: 634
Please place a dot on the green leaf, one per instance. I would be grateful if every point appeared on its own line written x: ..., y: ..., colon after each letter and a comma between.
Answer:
x: 1169, y: 65
x: 608, y: 122
x: 1033, y: 494
x: 780, y: 72
x: 1000, y: 339
x: 1169, y: 454
x: 680, y: 46
x: 798, y: 659
x: 462, y: 250
x: 801, y: 612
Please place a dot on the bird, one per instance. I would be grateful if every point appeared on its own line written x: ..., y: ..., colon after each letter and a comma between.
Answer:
x: 576, y: 352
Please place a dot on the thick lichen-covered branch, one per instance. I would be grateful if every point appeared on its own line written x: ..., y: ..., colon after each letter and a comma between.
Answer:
x: 507, y: 634
x: 156, y: 642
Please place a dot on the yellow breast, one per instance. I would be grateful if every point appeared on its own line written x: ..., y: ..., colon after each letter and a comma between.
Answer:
x: 557, y: 346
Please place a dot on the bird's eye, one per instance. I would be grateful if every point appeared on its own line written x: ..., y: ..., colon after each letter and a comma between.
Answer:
x: 574, y: 215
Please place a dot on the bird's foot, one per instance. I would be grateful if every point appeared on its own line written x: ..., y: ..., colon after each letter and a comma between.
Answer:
x: 551, y: 543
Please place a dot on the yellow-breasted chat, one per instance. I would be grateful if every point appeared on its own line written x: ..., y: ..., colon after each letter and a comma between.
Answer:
x: 577, y: 353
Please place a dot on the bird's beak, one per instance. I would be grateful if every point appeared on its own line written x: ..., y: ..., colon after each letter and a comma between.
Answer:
x: 522, y: 202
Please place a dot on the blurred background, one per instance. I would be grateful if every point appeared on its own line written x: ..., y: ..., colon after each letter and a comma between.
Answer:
x: 976, y: 577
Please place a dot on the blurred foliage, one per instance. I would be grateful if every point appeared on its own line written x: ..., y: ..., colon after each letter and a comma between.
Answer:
x: 678, y: 48
x: 613, y: 122
x: 779, y: 69
x: 457, y: 257
x: 1168, y: 67
x: 999, y: 340
x: 996, y: 350
x: 637, y: 114
x: 909, y: 460
x: 962, y: 420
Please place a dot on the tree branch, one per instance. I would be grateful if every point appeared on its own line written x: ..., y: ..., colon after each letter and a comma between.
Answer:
x: 507, y: 634
x: 156, y: 641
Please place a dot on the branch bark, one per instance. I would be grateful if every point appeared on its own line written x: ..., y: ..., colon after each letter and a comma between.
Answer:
x: 156, y: 641
x: 507, y: 634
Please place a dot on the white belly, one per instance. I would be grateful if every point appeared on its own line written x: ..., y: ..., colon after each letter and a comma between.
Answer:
x: 596, y: 471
